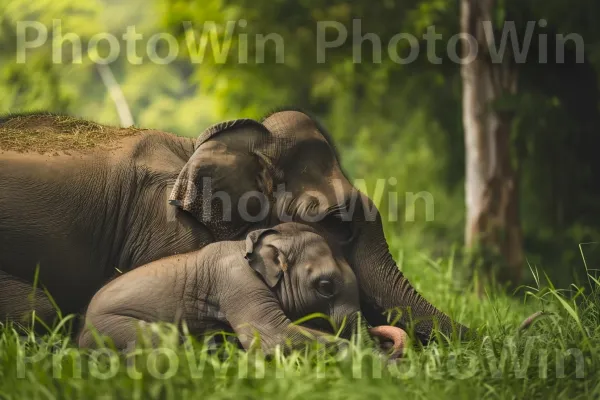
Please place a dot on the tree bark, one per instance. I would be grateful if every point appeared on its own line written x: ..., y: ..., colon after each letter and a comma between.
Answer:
x: 493, y: 228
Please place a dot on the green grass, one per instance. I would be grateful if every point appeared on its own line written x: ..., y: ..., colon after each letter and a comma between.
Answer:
x: 500, y: 363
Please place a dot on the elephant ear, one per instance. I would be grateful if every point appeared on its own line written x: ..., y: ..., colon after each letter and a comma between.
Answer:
x: 227, y: 184
x: 268, y: 266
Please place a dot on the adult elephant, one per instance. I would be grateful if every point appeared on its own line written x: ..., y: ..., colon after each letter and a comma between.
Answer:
x: 96, y: 199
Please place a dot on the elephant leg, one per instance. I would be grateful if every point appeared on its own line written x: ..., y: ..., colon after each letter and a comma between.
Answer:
x: 18, y: 300
x: 123, y: 330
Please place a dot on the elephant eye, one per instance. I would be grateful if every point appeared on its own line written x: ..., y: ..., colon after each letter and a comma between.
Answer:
x: 343, y: 231
x: 326, y: 288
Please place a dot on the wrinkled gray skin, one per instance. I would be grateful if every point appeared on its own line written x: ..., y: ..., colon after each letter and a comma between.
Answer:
x: 82, y: 215
x: 228, y: 286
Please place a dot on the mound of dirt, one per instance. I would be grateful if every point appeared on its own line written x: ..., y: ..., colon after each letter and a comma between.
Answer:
x: 51, y: 133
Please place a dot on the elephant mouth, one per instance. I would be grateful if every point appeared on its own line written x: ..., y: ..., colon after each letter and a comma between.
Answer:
x: 391, y: 339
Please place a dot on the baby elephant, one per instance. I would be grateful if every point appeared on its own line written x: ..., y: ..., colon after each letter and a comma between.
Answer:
x: 254, y: 286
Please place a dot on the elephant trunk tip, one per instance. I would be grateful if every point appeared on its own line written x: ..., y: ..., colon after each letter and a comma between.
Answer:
x: 392, y: 338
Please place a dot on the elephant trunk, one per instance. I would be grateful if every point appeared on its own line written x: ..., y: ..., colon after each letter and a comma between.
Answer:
x: 385, y: 289
x: 394, y: 336
x: 392, y: 340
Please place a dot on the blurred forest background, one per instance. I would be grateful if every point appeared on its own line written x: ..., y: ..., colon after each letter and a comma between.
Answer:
x: 388, y: 119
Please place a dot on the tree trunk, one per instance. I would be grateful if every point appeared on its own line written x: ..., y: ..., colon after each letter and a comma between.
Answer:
x: 493, y: 227
x: 115, y: 92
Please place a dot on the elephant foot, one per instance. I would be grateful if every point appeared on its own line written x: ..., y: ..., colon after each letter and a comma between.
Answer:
x: 392, y: 339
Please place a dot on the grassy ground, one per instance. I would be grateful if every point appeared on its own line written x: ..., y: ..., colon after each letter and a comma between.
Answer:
x: 555, y: 358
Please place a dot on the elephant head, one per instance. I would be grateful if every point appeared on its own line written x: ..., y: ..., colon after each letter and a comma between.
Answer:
x: 307, y: 275
x: 245, y: 174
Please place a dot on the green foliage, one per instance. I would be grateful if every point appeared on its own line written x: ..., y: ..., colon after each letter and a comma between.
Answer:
x: 155, y: 93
